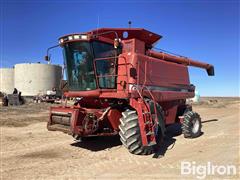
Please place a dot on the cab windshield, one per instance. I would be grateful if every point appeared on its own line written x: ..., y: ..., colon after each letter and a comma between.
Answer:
x: 79, y: 58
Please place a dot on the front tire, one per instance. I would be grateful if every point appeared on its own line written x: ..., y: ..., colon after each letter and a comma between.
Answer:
x: 130, y: 134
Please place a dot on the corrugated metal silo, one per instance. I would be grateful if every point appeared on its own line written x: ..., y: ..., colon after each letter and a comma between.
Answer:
x: 34, y: 79
x: 6, y: 80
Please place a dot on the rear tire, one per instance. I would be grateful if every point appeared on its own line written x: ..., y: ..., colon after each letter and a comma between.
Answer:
x: 191, y: 126
x: 130, y: 134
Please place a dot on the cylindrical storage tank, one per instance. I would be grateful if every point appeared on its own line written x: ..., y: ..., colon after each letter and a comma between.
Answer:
x: 7, y: 80
x: 196, y: 98
x: 35, y: 79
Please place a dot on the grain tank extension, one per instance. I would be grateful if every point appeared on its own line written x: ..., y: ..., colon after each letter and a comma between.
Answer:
x: 125, y: 88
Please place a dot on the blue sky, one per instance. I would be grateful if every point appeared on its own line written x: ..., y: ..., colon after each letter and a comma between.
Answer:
x: 203, y: 30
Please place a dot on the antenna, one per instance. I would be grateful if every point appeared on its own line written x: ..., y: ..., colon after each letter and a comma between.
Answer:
x: 97, y: 24
x: 129, y: 24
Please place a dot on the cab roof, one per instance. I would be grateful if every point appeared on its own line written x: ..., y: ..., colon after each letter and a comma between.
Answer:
x: 127, y: 33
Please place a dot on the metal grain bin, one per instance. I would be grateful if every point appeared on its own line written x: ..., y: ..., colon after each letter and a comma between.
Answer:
x: 33, y: 79
x: 6, y: 80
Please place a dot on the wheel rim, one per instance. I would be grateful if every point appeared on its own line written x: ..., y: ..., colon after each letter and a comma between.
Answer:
x: 196, y: 126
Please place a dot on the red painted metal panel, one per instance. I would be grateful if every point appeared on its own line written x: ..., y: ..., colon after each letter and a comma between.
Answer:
x: 137, y: 33
x: 155, y: 72
x: 137, y: 105
x: 114, y: 116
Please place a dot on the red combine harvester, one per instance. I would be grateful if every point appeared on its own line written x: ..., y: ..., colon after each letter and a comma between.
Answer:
x: 125, y: 88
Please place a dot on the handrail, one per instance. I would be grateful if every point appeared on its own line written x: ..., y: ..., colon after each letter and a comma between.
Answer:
x: 108, y: 75
x: 105, y: 58
x: 145, y: 87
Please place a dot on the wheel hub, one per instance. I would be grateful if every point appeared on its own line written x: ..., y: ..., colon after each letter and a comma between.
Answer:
x: 195, y: 126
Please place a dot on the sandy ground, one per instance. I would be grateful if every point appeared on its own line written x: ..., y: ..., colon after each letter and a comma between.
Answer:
x: 29, y: 151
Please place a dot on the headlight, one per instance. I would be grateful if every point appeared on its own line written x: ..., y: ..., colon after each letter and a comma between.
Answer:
x: 84, y: 37
x: 73, y: 37
x: 76, y: 37
x: 61, y: 41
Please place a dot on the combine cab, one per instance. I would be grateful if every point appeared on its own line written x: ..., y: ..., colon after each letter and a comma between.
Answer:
x: 125, y: 88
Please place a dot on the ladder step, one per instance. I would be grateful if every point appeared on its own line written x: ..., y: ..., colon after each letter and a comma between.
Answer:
x: 150, y: 133
x: 146, y: 113
x: 152, y: 143
x: 148, y: 122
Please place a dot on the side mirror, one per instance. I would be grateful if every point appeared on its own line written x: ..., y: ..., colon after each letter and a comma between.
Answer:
x: 47, y: 58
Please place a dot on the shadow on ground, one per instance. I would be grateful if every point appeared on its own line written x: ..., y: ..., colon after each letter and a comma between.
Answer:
x: 98, y: 143
x: 210, y: 120
x: 104, y: 142
x: 168, y: 141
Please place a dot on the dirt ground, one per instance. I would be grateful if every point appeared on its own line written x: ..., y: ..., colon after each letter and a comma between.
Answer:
x: 29, y: 151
